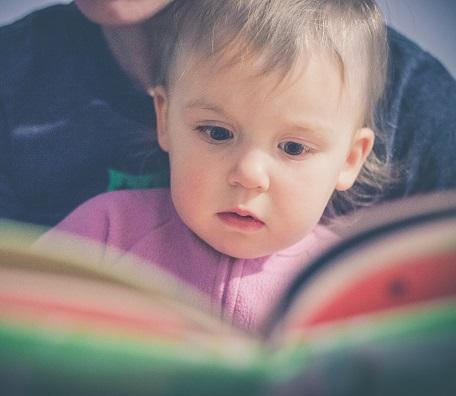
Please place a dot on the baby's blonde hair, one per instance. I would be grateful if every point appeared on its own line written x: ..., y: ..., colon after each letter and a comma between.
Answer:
x: 351, y: 32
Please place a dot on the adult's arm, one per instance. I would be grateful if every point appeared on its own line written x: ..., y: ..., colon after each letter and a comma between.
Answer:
x: 10, y: 206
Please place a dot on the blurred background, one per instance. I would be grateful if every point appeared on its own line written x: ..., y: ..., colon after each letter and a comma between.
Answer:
x: 431, y: 23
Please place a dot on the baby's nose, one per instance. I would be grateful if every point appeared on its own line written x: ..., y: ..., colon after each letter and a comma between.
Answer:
x: 251, y: 171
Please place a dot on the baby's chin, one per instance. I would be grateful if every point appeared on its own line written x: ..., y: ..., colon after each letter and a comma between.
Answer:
x: 253, y: 245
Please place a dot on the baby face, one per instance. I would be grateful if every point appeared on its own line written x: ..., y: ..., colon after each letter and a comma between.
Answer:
x: 255, y: 159
x: 120, y: 12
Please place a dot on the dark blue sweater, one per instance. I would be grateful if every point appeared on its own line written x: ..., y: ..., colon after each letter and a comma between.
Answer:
x: 419, y: 120
x: 72, y: 125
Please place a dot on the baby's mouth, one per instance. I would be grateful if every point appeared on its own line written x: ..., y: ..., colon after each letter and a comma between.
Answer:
x: 240, y: 220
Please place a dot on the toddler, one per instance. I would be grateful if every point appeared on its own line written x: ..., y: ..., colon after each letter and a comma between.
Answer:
x: 266, y: 112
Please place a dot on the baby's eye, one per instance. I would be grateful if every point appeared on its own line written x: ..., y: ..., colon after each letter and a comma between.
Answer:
x: 215, y: 133
x: 293, y: 148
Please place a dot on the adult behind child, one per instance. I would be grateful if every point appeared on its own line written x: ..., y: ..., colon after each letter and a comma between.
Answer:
x: 75, y: 120
x: 75, y: 116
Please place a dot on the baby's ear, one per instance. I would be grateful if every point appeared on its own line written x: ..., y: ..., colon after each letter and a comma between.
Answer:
x: 361, y: 146
x: 161, y: 112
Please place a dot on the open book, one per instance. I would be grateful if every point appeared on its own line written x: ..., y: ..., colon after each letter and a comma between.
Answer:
x: 374, y: 315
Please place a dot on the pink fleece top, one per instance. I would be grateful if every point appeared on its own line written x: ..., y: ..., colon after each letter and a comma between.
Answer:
x: 145, y: 223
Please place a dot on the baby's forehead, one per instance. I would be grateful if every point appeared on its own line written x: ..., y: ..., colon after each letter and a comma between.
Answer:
x: 252, y: 74
x: 256, y: 65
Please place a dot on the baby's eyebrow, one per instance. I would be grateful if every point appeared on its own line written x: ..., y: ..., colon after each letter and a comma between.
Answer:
x: 203, y: 104
x: 314, y: 127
